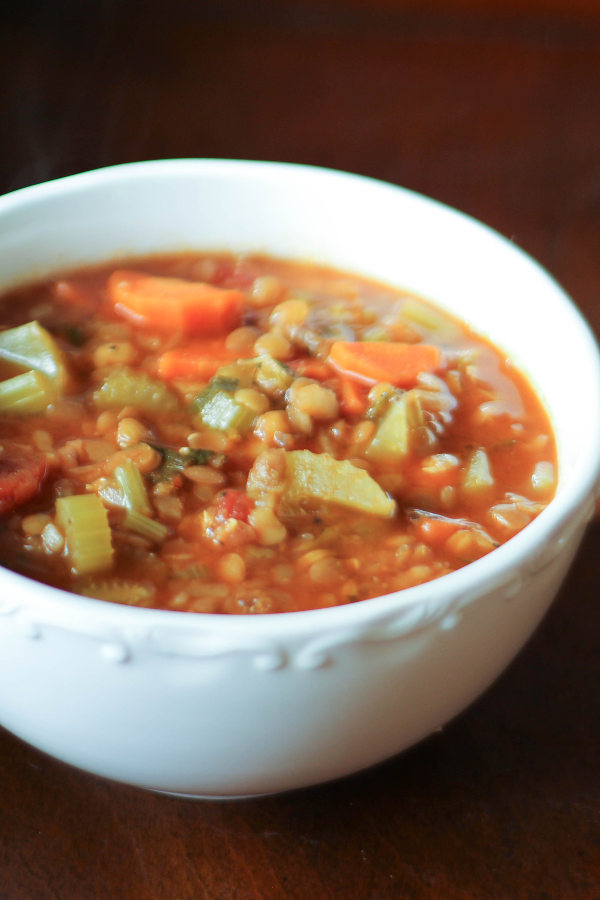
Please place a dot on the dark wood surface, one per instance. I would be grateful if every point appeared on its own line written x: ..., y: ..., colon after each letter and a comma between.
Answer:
x: 495, y: 113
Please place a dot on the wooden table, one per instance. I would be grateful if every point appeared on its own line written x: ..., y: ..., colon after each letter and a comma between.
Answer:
x: 497, y: 114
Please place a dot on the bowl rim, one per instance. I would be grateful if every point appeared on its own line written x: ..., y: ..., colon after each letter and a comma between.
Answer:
x: 503, y: 565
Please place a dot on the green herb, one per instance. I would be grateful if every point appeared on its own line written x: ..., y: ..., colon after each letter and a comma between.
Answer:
x: 175, y: 461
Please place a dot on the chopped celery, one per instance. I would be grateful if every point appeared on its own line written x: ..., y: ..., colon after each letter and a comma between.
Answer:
x: 421, y: 313
x: 223, y: 412
x: 145, y: 526
x: 124, y: 387
x: 215, y: 386
x: 319, y: 477
x: 400, y: 428
x: 131, y: 482
x: 477, y: 478
x: 116, y: 590
x: 30, y: 346
x: 26, y: 394
x: 84, y: 522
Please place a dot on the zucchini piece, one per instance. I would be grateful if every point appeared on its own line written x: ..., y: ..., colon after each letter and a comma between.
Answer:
x: 30, y: 346
x: 84, y: 522
x: 26, y: 394
x: 400, y: 430
x: 318, y: 477
x: 124, y: 387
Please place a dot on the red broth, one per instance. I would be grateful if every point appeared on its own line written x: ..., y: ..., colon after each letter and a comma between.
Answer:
x: 225, y: 434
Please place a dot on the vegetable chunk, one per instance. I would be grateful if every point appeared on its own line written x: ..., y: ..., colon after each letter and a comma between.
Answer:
x: 31, y: 346
x: 84, y: 521
x: 21, y: 476
x: 173, y: 304
x: 399, y: 430
x: 319, y: 477
x: 395, y: 362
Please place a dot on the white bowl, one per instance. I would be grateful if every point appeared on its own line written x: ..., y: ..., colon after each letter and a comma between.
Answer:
x: 217, y: 706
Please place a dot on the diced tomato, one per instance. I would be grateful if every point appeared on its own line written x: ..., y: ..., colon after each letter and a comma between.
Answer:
x: 21, y: 477
x: 234, y: 505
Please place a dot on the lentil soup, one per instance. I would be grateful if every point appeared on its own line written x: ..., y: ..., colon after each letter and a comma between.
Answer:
x: 222, y: 434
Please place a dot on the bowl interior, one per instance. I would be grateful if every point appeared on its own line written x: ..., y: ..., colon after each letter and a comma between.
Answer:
x: 343, y: 220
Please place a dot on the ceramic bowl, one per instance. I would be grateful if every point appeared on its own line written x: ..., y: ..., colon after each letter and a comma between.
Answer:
x: 217, y: 706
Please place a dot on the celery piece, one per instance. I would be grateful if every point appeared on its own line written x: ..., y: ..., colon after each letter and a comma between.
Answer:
x: 145, y: 526
x: 421, y: 313
x: 116, y: 590
x: 399, y: 429
x: 124, y: 387
x: 319, y: 477
x: 84, y: 522
x: 131, y: 482
x: 30, y: 346
x: 26, y: 394
x: 223, y: 412
x: 477, y: 478
x: 215, y: 386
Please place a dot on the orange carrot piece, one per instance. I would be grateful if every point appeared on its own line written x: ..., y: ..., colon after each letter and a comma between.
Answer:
x: 200, y: 359
x: 395, y: 362
x: 309, y: 367
x: 172, y: 304
x: 353, y: 397
x: 437, y: 529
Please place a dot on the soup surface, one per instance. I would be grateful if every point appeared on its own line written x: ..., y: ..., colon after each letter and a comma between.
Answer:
x: 227, y: 434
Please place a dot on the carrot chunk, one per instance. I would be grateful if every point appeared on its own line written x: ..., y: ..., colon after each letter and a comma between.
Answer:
x: 395, y: 362
x: 436, y: 529
x: 172, y: 304
x: 309, y: 367
x: 353, y: 397
x: 198, y: 360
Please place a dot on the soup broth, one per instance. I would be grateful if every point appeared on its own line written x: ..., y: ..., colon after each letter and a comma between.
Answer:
x: 223, y: 434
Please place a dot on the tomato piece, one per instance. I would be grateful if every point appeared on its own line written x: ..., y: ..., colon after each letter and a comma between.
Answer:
x: 234, y: 505
x: 21, y: 477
